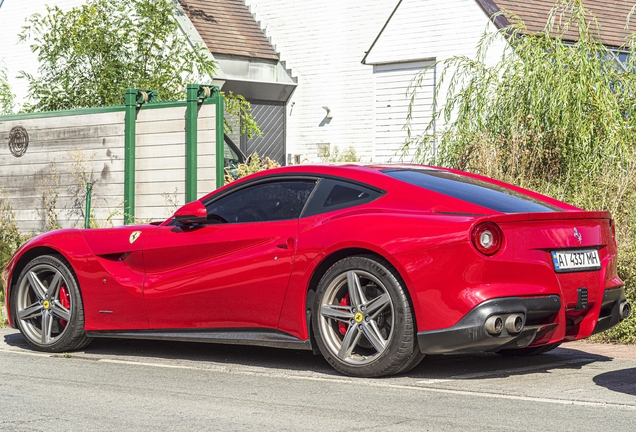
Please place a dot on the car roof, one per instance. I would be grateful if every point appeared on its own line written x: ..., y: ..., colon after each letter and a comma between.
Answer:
x: 374, y: 175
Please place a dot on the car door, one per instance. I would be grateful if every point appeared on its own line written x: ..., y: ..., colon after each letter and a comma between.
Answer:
x: 233, y: 271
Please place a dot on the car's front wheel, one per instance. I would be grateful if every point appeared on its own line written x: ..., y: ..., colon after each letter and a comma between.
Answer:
x: 362, y: 319
x: 48, y: 306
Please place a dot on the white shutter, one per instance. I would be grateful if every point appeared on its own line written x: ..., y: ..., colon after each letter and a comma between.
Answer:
x: 392, y: 82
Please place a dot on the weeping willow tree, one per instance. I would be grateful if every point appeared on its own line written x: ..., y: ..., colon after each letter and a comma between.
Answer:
x: 553, y: 116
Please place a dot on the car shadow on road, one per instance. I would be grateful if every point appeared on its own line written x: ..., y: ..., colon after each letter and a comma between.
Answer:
x: 493, y: 366
x: 146, y: 350
x: 475, y: 366
x: 621, y: 381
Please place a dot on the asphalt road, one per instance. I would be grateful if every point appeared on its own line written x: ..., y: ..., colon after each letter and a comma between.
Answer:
x: 142, y: 385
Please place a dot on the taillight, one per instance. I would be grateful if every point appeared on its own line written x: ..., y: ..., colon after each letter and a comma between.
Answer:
x: 487, y: 238
x: 613, y: 232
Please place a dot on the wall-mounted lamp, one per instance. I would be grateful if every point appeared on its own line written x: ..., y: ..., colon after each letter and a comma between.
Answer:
x: 329, y: 114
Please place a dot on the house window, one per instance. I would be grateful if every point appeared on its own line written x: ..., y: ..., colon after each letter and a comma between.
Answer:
x: 621, y: 58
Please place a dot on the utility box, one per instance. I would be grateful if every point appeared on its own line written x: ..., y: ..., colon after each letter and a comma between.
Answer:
x: 144, y: 159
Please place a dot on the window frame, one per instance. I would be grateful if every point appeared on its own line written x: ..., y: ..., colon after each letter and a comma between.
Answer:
x: 318, y: 178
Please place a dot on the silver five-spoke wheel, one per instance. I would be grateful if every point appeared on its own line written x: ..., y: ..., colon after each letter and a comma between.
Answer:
x: 356, y: 317
x: 48, y: 306
x: 362, y: 319
x: 43, y: 304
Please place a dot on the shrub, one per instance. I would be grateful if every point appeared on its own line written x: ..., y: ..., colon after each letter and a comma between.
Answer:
x: 254, y: 164
x: 347, y: 155
x: 10, y: 240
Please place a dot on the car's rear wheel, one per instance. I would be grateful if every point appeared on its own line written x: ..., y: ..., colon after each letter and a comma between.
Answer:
x: 527, y: 352
x: 362, y: 319
x: 48, y: 306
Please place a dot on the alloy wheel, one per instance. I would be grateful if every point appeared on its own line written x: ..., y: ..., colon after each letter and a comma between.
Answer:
x: 44, y: 304
x: 356, y: 317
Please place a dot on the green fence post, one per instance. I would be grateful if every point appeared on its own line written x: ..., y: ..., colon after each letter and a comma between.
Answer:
x: 87, y: 216
x: 192, y: 115
x: 217, y: 98
x: 129, y: 155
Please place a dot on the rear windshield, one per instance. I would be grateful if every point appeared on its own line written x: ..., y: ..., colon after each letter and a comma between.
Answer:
x: 472, y: 190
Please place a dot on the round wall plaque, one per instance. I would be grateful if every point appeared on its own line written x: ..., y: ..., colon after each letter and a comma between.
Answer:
x: 18, y: 141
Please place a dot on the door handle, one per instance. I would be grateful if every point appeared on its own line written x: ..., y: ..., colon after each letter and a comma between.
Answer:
x: 289, y: 244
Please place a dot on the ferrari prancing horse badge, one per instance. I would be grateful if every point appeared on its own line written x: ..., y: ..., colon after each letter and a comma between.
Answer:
x: 134, y: 236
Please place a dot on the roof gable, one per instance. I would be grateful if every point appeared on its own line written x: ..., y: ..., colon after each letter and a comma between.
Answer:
x: 228, y: 27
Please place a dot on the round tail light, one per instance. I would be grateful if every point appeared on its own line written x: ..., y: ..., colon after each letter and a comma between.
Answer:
x: 487, y: 238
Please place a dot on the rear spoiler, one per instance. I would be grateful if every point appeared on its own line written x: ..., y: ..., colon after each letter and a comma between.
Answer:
x: 542, y: 216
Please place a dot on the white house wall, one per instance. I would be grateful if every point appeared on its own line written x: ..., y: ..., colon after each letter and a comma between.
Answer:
x: 424, y: 29
x: 323, y: 43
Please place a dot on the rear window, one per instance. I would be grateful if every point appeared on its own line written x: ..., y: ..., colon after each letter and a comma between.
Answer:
x: 472, y: 190
x: 334, y: 194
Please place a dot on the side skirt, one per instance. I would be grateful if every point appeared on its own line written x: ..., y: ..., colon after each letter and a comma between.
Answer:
x: 257, y: 337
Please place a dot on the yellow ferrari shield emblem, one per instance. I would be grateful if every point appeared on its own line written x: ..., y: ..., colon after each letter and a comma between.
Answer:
x: 358, y: 317
x: 46, y: 304
x: 134, y: 236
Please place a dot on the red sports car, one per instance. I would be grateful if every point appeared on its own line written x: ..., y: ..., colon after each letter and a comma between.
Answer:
x: 372, y: 266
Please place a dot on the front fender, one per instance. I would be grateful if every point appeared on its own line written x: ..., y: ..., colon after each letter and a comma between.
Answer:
x: 67, y: 242
x: 108, y: 265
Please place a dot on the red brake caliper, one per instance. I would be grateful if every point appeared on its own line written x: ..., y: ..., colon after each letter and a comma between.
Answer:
x: 342, y: 327
x: 64, y: 301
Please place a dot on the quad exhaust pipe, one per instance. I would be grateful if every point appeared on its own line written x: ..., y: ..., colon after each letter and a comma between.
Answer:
x: 624, y: 310
x: 513, y: 324
x: 494, y: 325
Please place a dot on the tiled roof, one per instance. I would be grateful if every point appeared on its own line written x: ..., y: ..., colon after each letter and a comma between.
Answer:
x: 228, y: 27
x: 610, y: 14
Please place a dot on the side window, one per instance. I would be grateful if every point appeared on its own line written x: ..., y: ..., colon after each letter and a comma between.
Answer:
x: 272, y: 201
x: 341, y: 194
x: 337, y: 194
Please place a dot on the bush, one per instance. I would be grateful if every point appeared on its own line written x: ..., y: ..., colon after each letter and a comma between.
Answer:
x: 10, y: 240
x: 554, y: 117
x: 347, y: 155
x: 254, y: 164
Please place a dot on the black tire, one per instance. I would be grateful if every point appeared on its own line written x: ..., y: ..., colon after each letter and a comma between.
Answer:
x: 414, y: 361
x: 45, y: 285
x: 379, y: 338
x: 527, y: 352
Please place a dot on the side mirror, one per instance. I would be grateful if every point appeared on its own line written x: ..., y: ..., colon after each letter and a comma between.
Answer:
x: 191, y: 213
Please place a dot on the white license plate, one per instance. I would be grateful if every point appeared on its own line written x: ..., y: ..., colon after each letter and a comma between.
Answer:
x: 576, y: 260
